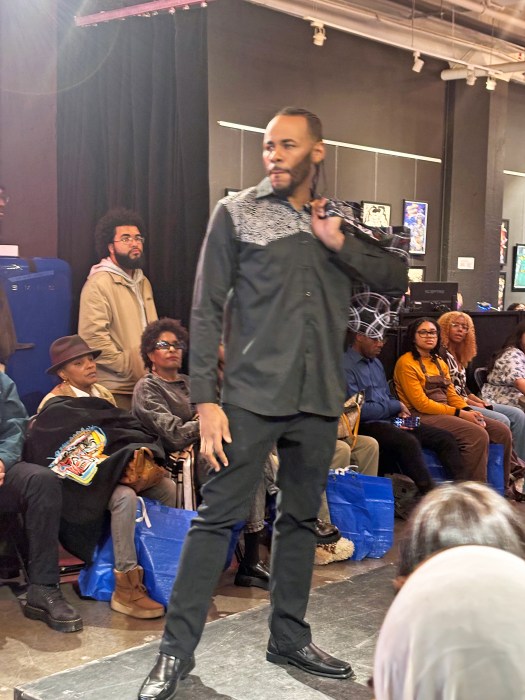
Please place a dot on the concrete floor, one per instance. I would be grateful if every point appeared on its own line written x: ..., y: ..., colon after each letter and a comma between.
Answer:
x: 30, y: 650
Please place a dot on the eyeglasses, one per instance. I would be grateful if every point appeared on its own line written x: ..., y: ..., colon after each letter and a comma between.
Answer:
x: 128, y: 240
x: 463, y: 326
x: 426, y: 334
x: 164, y: 345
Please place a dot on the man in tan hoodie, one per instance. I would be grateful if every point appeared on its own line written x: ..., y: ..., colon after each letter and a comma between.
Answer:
x: 117, y: 303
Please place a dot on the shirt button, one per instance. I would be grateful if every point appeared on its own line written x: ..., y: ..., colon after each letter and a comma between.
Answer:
x: 308, y: 294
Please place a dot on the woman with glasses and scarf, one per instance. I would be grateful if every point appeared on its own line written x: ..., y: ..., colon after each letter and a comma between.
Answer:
x: 458, y: 348
x: 423, y: 384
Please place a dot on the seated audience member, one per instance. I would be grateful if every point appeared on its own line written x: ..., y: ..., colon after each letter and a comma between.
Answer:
x: 423, y: 384
x: 466, y: 540
x: 78, y: 373
x: 455, y: 630
x: 73, y: 361
x: 459, y: 514
x: 36, y: 493
x: 516, y: 306
x: 458, y: 348
x: 365, y: 372
x: 161, y: 401
x: 506, y: 371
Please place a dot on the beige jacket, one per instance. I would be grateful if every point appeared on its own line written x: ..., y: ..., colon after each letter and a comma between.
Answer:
x: 112, y: 320
x: 65, y: 389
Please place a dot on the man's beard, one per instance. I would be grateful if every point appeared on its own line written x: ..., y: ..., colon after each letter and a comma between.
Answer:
x: 128, y: 263
x: 298, y: 175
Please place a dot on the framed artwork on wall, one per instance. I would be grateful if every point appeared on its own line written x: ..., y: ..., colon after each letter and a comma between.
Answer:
x: 502, y: 283
x: 375, y: 213
x: 416, y: 274
x: 518, y: 267
x: 415, y: 217
x: 503, y: 241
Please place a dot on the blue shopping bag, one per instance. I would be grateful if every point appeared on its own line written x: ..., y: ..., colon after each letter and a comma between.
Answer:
x: 362, y: 507
x: 495, y: 468
x: 158, y: 539
x: 97, y: 580
x: 160, y: 532
x: 159, y: 535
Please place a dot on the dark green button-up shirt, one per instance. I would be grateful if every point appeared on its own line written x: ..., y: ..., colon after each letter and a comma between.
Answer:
x: 287, y: 299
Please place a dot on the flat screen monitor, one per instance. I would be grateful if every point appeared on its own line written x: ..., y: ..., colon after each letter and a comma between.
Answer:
x: 434, y: 296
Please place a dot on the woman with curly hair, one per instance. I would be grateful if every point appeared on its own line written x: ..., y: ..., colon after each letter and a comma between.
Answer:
x: 458, y: 348
x: 161, y: 401
x: 423, y: 384
x: 506, y: 371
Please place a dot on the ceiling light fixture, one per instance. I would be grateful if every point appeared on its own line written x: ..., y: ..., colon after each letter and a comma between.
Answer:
x: 491, y: 83
x: 418, y: 62
x: 471, y: 76
x: 319, y: 33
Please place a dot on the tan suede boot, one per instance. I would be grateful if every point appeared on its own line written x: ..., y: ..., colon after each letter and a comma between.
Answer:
x: 130, y: 595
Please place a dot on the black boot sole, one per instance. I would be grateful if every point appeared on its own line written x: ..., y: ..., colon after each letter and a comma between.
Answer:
x: 285, y: 661
x: 57, y: 625
x: 243, y: 580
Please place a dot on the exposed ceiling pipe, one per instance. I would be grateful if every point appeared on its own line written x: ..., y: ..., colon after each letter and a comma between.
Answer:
x: 482, y: 9
x: 376, y: 26
x: 459, y: 73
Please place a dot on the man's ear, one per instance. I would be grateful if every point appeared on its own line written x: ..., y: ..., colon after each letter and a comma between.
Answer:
x: 318, y: 152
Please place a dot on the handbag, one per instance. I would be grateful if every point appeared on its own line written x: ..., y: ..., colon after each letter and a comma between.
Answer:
x: 349, y: 420
x: 362, y: 507
x: 142, y: 472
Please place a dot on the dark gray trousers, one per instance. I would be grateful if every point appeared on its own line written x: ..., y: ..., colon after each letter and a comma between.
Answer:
x: 36, y: 492
x: 305, y: 443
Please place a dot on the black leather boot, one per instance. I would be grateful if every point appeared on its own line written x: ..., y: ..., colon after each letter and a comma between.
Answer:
x: 164, y: 677
x: 326, y: 533
x: 253, y: 575
x: 47, y: 603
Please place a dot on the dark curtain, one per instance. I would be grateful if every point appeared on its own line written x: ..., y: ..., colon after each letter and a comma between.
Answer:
x: 132, y: 128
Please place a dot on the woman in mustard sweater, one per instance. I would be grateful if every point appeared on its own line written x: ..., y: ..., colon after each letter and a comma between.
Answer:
x: 423, y: 384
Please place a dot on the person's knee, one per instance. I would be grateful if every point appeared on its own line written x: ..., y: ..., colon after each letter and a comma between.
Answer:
x: 41, y: 483
x: 123, y: 499
x: 342, y: 455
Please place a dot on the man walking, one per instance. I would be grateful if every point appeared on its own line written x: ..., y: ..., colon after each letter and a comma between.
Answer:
x: 116, y: 303
x: 289, y: 270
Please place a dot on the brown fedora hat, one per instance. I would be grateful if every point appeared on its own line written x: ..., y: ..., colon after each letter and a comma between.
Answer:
x: 66, y: 349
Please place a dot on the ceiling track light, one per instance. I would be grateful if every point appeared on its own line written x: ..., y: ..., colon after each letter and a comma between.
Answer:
x: 418, y: 62
x: 491, y: 83
x: 471, y: 76
x: 319, y: 33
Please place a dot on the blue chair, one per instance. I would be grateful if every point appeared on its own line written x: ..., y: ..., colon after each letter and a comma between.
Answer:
x: 495, y: 471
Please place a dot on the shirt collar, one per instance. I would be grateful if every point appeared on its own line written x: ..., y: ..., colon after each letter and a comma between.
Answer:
x: 264, y: 189
x: 357, y: 357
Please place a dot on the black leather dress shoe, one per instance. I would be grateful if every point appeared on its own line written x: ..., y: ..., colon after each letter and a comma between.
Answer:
x: 248, y: 575
x: 164, y: 677
x: 326, y: 533
x: 312, y: 660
